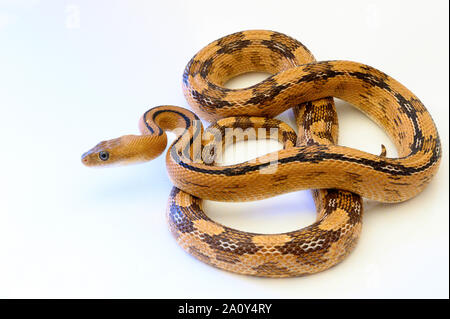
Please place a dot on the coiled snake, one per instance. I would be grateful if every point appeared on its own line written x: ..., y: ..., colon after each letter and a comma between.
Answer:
x: 340, y: 175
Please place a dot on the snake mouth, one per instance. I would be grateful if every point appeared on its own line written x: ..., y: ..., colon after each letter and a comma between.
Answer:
x: 88, y: 159
x: 84, y: 159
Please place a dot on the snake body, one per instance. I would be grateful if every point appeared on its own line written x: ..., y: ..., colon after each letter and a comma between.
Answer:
x: 340, y: 175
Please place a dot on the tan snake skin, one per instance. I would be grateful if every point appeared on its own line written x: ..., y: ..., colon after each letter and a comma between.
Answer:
x: 315, y: 162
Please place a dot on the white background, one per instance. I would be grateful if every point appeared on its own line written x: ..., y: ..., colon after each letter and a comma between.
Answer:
x: 73, y: 73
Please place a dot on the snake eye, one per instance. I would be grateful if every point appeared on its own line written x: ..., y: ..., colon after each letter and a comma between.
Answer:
x: 103, y: 155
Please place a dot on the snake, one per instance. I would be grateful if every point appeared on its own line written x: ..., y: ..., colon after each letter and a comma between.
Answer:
x: 339, y: 176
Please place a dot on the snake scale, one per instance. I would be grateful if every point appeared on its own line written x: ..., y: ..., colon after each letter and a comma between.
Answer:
x: 339, y: 176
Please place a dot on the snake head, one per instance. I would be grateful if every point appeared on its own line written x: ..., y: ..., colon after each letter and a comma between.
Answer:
x: 125, y: 150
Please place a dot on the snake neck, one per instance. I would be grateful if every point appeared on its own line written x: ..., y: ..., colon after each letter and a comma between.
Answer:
x: 160, y: 119
x: 183, y: 123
